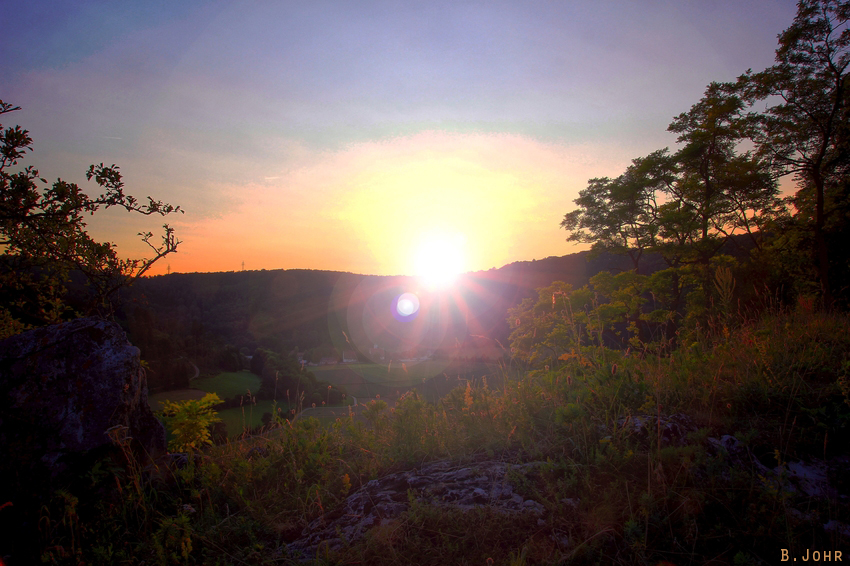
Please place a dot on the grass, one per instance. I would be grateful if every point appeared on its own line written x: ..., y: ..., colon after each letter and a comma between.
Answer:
x: 395, y: 375
x: 248, y: 416
x: 399, y: 374
x: 778, y: 385
x: 433, y: 378
x: 226, y: 385
x: 229, y: 384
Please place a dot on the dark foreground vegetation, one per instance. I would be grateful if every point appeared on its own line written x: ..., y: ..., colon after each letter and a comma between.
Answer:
x: 689, y: 414
x: 613, y: 493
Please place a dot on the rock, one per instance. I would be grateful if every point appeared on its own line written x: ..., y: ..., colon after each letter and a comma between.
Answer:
x: 674, y: 428
x: 482, y: 484
x: 812, y: 479
x: 809, y: 478
x: 63, y: 389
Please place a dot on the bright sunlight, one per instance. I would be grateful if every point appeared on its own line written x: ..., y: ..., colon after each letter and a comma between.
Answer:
x: 439, y: 259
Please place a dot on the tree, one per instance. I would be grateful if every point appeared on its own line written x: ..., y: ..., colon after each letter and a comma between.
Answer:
x: 619, y: 215
x: 44, y: 238
x: 804, y: 129
x: 725, y: 190
x: 718, y: 190
x: 684, y: 206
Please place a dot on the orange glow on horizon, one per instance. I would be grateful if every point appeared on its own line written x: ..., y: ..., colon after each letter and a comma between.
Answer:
x: 368, y: 209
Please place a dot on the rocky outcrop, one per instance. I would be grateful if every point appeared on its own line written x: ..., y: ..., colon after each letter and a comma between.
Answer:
x: 666, y: 430
x: 436, y: 483
x: 62, y: 388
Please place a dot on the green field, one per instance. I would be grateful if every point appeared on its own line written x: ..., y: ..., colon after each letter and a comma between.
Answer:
x: 360, y: 380
x: 225, y: 385
x: 397, y: 374
x: 247, y: 416
x: 369, y: 380
x: 229, y: 384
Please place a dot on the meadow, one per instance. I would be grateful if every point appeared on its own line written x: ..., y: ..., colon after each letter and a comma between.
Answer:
x: 432, y: 378
x: 229, y: 384
x: 226, y: 385
x: 249, y: 416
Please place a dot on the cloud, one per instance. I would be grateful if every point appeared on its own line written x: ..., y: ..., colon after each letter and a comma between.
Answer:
x: 365, y: 208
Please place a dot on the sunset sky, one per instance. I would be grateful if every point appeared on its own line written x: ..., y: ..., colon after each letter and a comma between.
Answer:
x: 350, y: 135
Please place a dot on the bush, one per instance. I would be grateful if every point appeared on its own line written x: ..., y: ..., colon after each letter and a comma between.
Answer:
x: 190, y: 422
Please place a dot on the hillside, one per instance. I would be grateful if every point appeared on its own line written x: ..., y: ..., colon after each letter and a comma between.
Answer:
x: 198, y: 314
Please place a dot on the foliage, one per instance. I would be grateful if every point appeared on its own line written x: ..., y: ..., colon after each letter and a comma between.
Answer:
x: 189, y: 422
x: 42, y: 231
x: 614, y: 492
x: 686, y: 206
x: 804, y: 129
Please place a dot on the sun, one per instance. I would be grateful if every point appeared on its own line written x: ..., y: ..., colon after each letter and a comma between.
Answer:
x: 439, y: 259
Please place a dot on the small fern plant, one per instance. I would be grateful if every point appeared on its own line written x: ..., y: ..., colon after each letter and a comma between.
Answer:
x: 189, y: 422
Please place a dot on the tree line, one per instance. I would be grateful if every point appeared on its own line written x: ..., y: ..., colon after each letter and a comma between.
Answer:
x: 712, y: 209
x: 735, y: 145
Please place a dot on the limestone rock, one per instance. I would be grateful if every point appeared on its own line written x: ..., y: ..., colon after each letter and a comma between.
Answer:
x: 62, y: 388
x: 436, y: 483
x: 674, y: 429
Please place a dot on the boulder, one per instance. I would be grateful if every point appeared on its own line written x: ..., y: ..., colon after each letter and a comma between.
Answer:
x: 63, y: 388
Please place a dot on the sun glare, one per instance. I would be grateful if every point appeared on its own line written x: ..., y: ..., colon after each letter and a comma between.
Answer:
x: 439, y: 259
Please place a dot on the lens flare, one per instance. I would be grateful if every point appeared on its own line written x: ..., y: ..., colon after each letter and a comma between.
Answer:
x: 406, y: 306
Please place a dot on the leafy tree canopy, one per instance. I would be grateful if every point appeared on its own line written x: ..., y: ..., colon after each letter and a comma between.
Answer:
x: 804, y: 127
x: 43, y: 238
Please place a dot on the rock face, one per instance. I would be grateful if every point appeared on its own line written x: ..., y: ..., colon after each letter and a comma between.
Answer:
x: 61, y: 389
x: 438, y: 483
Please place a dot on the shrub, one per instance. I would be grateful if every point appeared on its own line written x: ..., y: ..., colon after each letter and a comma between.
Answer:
x: 190, y: 422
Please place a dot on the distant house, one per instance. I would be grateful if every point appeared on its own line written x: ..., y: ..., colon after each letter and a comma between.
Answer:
x: 349, y: 356
x: 328, y: 361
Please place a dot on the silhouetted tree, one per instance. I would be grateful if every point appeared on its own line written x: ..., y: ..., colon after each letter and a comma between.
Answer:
x: 804, y: 128
x: 42, y: 231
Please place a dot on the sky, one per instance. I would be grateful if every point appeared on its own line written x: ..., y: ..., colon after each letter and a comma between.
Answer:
x: 358, y: 136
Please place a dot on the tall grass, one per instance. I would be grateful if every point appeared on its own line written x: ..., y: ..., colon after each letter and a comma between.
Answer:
x: 614, y: 492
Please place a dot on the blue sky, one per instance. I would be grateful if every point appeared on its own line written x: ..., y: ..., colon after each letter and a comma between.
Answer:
x: 341, y: 135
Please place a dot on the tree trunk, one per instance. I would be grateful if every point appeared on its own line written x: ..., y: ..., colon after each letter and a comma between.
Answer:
x: 820, y: 241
